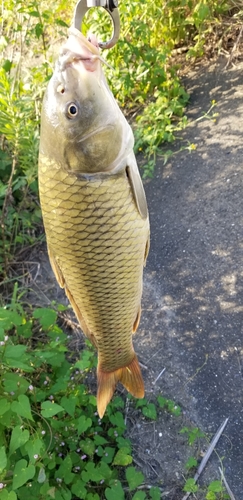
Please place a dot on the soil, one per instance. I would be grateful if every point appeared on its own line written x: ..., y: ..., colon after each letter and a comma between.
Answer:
x: 192, y: 317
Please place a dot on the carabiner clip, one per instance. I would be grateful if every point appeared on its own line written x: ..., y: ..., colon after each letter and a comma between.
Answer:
x: 110, y: 6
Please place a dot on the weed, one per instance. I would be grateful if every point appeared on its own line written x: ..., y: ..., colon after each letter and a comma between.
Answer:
x: 52, y: 442
x: 193, y: 434
x: 216, y: 489
x: 24, y: 72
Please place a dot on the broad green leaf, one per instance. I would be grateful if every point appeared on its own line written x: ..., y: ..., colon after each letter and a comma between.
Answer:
x: 49, y: 409
x: 47, y: 317
x: 118, y: 402
x: 87, y: 446
x: 20, y: 365
x: 162, y: 401
x: 149, y: 411
x: 141, y: 402
x: 51, y: 357
x: 202, y: 12
x: 79, y: 489
x: 108, y: 454
x: 155, y: 493
x: 210, y: 496
x: 124, y: 443
x: 16, y: 357
x: 19, y: 437
x: 9, y: 318
x: 60, y: 22
x: 8, y: 495
x: 83, y: 424
x: 118, y: 420
x: 134, y: 478
x: 34, y: 446
x: 139, y: 495
x: 22, y: 473
x: 100, y: 440
x: 173, y: 407
x: 14, y: 351
x: 44, y: 488
x: 4, y: 406
x: 65, y: 470
x: 69, y: 404
x: 66, y: 494
x: 3, y: 459
x: 86, y: 361
x: 34, y: 13
x: 91, y: 473
x: 115, y: 492
x: 39, y: 29
x: 105, y: 470
x: 7, y: 65
x: 122, y: 457
x: 22, y: 407
x: 13, y: 382
x: 191, y: 462
x: 215, y: 486
x: 190, y: 486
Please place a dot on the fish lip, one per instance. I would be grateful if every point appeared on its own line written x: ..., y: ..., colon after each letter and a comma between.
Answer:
x: 83, y: 41
x: 68, y: 58
x: 77, y: 48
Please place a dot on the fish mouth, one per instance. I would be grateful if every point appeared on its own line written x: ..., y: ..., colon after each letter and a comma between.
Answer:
x: 70, y: 59
x: 78, y: 49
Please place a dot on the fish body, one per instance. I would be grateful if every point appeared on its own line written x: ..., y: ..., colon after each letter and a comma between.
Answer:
x: 94, y: 211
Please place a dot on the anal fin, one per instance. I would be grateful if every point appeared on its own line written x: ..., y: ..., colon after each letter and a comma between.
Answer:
x: 62, y: 283
x: 80, y: 318
x: 56, y: 269
x: 137, y: 320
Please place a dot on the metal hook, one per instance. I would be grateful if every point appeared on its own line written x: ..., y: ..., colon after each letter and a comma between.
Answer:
x: 110, y: 6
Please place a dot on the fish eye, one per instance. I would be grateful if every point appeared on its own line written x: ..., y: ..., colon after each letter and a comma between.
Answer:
x: 72, y: 110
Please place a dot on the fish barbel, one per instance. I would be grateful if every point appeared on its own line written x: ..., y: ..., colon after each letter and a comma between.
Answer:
x: 94, y: 211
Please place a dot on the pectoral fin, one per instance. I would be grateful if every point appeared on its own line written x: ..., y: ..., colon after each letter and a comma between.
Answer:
x: 137, y: 186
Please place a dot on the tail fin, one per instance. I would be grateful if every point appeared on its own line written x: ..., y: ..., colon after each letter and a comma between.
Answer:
x: 130, y: 376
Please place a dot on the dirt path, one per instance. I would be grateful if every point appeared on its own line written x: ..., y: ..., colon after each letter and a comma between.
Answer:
x: 195, y: 267
x: 192, y: 318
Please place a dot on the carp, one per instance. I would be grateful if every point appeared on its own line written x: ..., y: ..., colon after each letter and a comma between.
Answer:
x: 94, y: 211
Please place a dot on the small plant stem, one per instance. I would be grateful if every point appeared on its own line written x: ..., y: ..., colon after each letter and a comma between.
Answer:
x: 208, y: 454
x: 42, y: 36
x: 234, y: 48
x: 2, y: 224
x: 197, y: 371
x: 231, y: 495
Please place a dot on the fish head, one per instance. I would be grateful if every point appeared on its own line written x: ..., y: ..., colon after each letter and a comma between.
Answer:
x: 82, y: 127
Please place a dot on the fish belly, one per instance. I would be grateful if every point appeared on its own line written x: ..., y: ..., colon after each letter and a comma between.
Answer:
x: 96, y: 238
